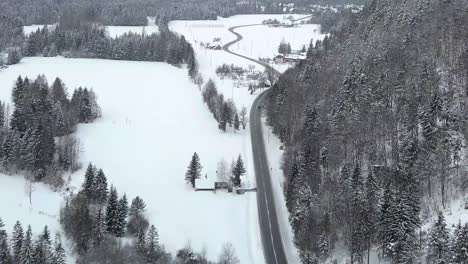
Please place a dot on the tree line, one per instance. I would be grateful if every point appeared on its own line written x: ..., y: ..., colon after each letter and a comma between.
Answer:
x: 22, y: 248
x: 374, y: 125
x: 225, y: 112
x: 35, y: 137
x: 91, y: 41
x: 121, y: 13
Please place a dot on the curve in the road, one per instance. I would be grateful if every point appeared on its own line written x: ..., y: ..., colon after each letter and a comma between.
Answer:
x: 269, y: 228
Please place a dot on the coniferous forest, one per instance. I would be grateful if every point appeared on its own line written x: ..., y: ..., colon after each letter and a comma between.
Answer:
x: 36, y: 130
x: 374, y: 125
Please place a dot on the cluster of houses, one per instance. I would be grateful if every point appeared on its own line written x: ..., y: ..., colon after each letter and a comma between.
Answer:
x: 289, y: 58
x: 213, y: 45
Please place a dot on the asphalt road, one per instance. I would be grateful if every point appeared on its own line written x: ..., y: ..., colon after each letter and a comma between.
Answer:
x: 269, y: 228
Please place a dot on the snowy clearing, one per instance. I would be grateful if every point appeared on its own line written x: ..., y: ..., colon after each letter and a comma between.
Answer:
x: 153, y: 120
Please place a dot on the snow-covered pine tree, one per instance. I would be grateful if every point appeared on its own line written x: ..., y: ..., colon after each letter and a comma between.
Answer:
x: 122, y: 216
x: 238, y: 171
x: 99, y: 229
x: 101, y: 187
x: 371, y: 208
x: 3, y: 233
x: 193, y: 170
x: 2, y: 115
x: 152, y: 244
x: 459, y: 247
x: 17, y: 241
x: 59, y: 255
x: 112, y: 212
x: 137, y: 220
x: 5, y: 256
x: 46, y: 243
x: 137, y: 207
x: 438, y: 244
x: 243, y: 117
x: 236, y: 122
x: 26, y: 249
x: 89, y: 186
x: 140, y: 243
x: 293, y: 183
x: 85, y: 107
x: 18, y: 90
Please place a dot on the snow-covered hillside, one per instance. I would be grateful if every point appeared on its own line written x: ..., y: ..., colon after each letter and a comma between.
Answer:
x: 153, y: 120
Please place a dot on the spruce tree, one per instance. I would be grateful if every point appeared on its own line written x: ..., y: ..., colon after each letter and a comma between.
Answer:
x: 59, y: 255
x: 236, y: 122
x: 459, y: 247
x: 193, y: 170
x: 141, y: 243
x: 112, y: 212
x: 85, y: 107
x: 438, y: 251
x: 122, y: 216
x: 46, y: 243
x: 3, y: 233
x: 238, y: 171
x: 99, y: 229
x: 137, y: 220
x: 26, y: 250
x: 101, y: 187
x: 5, y: 256
x: 89, y: 186
x: 17, y: 241
x: 152, y: 244
x: 137, y: 207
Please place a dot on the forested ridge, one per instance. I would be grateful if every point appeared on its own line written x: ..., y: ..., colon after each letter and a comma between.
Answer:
x: 374, y: 124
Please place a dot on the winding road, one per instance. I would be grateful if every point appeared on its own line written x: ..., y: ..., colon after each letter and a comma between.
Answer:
x: 269, y: 228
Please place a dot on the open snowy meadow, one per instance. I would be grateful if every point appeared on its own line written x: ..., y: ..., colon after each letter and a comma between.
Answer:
x: 153, y: 120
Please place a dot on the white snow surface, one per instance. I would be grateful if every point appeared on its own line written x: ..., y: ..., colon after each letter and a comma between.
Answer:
x: 153, y: 120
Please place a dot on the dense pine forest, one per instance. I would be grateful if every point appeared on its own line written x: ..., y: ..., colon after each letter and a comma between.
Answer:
x: 374, y: 124
x: 36, y: 132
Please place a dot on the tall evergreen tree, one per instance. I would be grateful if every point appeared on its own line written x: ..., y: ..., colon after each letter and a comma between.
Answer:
x: 89, y: 184
x: 17, y: 241
x: 101, y: 187
x: 5, y: 256
x: 152, y: 244
x: 193, y: 170
x: 236, y: 122
x: 59, y: 255
x: 122, y: 216
x: 26, y: 250
x: 238, y: 171
x: 439, y: 251
x: 99, y: 229
x: 112, y: 212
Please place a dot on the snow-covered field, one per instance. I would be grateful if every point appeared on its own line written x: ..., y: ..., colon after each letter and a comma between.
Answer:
x: 258, y: 41
x: 266, y: 44
x: 153, y: 120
